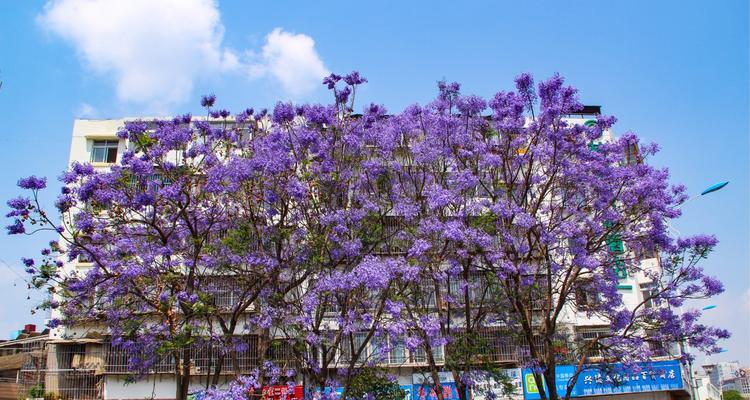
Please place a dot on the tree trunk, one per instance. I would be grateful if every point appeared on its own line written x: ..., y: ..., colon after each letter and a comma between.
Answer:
x: 460, y: 385
x: 263, y: 342
x: 217, y: 368
x: 436, y: 384
x: 461, y: 388
x: 549, y: 379
x: 177, y: 373
x: 184, y: 380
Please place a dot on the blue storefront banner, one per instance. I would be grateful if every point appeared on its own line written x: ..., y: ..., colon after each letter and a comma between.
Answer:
x: 407, y: 390
x: 315, y: 393
x: 611, y: 379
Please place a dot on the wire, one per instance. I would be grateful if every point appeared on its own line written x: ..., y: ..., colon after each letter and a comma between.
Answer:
x: 11, y: 269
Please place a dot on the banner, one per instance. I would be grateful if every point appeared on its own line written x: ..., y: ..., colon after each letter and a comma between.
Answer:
x: 611, y: 379
x: 280, y: 392
x: 427, y: 392
x: 315, y: 393
x: 486, y: 385
x: 423, y: 390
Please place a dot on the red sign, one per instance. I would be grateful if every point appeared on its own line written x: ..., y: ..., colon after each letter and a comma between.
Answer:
x: 281, y: 392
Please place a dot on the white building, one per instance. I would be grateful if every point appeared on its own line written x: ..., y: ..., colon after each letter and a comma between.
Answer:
x: 82, y: 357
x: 721, y: 371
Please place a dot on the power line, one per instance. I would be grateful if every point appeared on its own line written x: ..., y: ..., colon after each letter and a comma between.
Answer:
x: 11, y: 269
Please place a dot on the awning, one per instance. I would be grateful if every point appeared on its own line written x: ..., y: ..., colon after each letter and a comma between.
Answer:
x: 11, y: 362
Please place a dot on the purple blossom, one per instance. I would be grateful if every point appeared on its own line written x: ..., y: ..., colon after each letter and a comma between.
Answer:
x: 342, y: 96
x: 208, y: 101
x: 19, y: 203
x: 283, y: 113
x: 33, y: 183
x: 354, y: 79
x: 16, y: 228
x: 471, y: 105
x: 331, y: 80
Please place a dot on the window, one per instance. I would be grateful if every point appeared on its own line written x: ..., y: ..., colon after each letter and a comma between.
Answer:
x: 656, y: 344
x: 632, y: 154
x: 420, y: 356
x: 153, y: 182
x: 104, y: 151
x: 84, y: 257
x: 476, y: 288
x: 585, y: 295
x: 588, y: 336
x: 389, y: 233
x: 648, y: 292
x: 226, y: 292
x: 397, y: 354
x: 424, y: 296
x: 281, y: 353
x: 357, y: 340
x: 616, y: 249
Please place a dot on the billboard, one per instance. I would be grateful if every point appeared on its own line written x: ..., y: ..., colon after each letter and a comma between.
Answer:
x: 483, y: 386
x: 611, y: 379
x: 279, y: 392
x: 423, y: 390
x: 315, y: 393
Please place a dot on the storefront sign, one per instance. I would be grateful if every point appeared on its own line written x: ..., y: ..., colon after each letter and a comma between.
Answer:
x: 315, y: 394
x: 614, y: 379
x: 281, y: 392
x: 427, y: 392
x: 484, y: 386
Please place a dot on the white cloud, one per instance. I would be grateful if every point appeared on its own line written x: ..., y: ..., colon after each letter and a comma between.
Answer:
x: 292, y: 60
x: 86, y: 110
x: 154, y: 50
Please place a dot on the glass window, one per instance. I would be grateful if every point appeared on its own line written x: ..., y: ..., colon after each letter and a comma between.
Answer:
x: 649, y: 292
x: 397, y: 355
x: 104, y: 151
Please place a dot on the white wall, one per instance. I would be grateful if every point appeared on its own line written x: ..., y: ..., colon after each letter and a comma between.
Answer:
x: 158, y: 387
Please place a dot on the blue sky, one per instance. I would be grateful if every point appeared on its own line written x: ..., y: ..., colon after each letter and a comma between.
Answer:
x: 675, y: 72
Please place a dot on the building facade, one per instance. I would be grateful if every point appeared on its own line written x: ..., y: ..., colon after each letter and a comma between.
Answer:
x: 82, y: 357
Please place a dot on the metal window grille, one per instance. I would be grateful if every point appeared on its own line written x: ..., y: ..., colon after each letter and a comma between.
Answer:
x: 72, y: 372
x: 281, y: 353
x: 392, y: 244
x: 117, y: 361
x: 345, y: 347
x: 397, y: 353
x: 225, y: 291
x: 587, y: 336
x: 206, y: 357
x: 476, y: 286
x: 419, y: 355
x: 154, y: 181
x: 499, y: 346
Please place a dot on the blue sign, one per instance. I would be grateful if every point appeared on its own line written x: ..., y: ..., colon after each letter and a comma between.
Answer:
x: 407, y: 391
x: 315, y: 393
x: 611, y: 379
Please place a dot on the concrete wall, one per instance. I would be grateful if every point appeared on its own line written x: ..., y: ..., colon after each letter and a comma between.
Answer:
x: 159, y: 387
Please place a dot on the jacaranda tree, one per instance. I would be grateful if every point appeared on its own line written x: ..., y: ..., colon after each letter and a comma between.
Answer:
x: 351, y: 235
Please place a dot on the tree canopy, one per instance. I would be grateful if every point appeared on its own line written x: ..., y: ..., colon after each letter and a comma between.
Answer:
x: 352, y: 236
